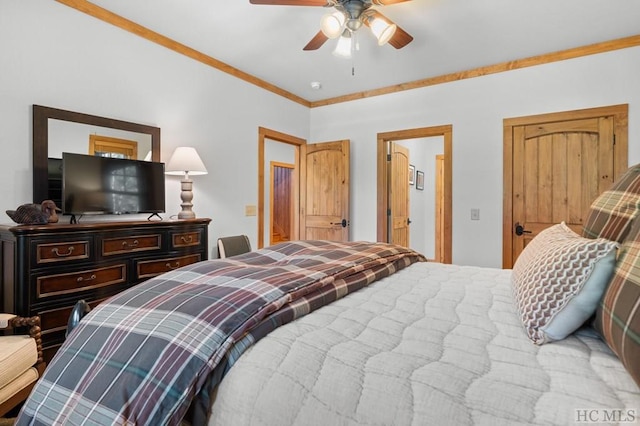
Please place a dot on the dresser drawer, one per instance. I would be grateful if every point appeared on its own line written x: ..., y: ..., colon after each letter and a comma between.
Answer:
x: 54, y: 327
x: 55, y: 320
x: 48, y: 268
x: 62, y: 251
x: 151, y: 268
x: 185, y: 239
x: 131, y: 244
x: 75, y: 282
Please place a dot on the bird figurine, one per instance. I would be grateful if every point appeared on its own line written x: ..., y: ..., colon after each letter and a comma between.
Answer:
x: 34, y: 214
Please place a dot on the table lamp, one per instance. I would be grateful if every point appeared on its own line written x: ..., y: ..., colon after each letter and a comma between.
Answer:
x: 184, y: 161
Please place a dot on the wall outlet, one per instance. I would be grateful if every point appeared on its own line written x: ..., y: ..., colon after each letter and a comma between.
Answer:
x: 250, y: 210
x: 475, y: 214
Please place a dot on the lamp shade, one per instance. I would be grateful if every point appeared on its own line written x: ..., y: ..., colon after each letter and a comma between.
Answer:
x: 331, y: 24
x: 382, y: 30
x: 344, y: 45
x: 185, y: 160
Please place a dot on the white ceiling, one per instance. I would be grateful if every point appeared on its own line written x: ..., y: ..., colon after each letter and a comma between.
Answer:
x: 449, y: 36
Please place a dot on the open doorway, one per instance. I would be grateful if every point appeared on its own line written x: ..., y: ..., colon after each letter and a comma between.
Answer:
x: 424, y: 199
x: 274, y: 145
x: 441, y: 242
x: 319, y: 187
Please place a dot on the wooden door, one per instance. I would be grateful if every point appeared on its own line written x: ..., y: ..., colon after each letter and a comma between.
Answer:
x: 324, y: 191
x: 281, y: 203
x: 558, y: 168
x: 399, y: 202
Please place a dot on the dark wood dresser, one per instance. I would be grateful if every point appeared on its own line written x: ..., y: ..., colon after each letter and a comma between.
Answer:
x: 46, y: 269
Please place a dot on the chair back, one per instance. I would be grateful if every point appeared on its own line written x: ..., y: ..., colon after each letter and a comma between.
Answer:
x: 80, y: 309
x: 233, y: 246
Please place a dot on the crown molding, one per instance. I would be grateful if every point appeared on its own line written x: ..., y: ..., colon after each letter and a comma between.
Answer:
x: 139, y: 30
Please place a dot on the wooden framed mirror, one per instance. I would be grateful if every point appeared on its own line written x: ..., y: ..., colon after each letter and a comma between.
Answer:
x: 47, y: 120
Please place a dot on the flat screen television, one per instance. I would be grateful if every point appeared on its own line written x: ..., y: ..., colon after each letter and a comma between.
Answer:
x: 104, y: 185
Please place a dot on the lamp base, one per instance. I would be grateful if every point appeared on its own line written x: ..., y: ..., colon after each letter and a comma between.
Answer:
x: 186, y: 214
x: 186, y: 195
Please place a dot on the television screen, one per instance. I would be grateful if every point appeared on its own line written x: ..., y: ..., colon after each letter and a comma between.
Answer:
x: 104, y: 185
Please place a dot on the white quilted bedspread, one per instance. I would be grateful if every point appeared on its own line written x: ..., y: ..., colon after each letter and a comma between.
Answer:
x: 432, y: 344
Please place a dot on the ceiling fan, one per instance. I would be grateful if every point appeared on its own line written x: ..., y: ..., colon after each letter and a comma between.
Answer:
x: 348, y: 17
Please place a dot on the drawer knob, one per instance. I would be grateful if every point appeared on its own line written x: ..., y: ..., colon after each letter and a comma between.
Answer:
x: 133, y: 244
x: 57, y: 252
x: 187, y: 240
x: 176, y: 265
x: 90, y: 278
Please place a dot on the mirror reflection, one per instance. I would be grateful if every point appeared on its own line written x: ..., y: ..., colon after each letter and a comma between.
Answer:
x: 56, y: 131
x: 79, y: 138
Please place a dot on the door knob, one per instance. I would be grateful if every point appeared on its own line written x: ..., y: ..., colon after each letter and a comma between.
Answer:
x: 520, y: 229
x: 344, y: 223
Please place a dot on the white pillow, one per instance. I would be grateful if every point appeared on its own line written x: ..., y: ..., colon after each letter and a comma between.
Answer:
x: 558, y: 280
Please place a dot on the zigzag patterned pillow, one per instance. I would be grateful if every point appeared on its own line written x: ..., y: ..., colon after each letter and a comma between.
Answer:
x: 558, y: 281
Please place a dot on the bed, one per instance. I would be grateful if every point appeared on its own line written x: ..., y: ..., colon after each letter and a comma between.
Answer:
x: 433, y: 344
x: 359, y: 333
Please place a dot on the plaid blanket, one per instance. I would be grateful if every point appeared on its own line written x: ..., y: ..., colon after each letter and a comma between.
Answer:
x: 146, y: 354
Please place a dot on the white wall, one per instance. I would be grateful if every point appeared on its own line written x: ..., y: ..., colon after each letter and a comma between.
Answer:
x: 476, y: 108
x: 55, y: 56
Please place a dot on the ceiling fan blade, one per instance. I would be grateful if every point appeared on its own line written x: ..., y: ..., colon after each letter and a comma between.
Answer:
x: 400, y: 38
x: 292, y: 2
x: 317, y: 41
x: 386, y: 2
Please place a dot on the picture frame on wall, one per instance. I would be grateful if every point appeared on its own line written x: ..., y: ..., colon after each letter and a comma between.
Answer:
x: 412, y: 173
x: 419, y: 180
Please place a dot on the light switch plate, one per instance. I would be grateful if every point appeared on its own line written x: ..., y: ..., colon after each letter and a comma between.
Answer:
x: 250, y: 210
x: 475, y: 214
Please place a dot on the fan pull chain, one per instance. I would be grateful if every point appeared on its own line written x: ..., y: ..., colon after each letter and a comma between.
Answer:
x: 355, y: 46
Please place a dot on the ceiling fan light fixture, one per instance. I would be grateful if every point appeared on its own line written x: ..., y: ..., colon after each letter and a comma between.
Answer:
x: 344, y: 45
x: 331, y: 24
x: 382, y: 30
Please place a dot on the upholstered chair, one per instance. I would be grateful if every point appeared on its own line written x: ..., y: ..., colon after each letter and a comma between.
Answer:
x: 21, y: 361
x: 233, y: 246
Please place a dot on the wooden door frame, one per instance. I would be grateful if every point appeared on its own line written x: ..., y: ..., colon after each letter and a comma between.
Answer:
x: 446, y: 131
x: 620, y: 114
x: 439, y: 253
x: 263, y: 135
